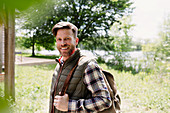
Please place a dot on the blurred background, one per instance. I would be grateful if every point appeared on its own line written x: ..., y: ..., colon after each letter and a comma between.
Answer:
x: 129, y: 38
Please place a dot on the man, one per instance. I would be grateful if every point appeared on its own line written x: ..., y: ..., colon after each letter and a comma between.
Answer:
x: 87, y: 91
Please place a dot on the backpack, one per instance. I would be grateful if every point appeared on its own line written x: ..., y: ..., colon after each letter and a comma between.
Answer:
x: 111, y: 85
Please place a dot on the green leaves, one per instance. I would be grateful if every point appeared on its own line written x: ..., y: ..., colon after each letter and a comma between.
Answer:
x: 9, y: 6
x: 19, y: 4
x: 93, y: 18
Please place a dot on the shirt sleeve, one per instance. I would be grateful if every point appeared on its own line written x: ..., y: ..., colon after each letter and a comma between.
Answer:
x: 100, y: 95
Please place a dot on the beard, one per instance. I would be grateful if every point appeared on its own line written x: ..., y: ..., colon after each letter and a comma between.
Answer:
x: 68, y: 52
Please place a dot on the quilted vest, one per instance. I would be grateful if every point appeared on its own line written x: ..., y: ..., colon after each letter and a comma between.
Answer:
x: 76, y: 89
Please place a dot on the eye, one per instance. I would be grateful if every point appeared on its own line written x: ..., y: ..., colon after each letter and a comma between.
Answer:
x: 58, y: 39
x: 67, y: 38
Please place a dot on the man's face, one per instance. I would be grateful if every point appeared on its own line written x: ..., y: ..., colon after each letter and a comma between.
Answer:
x: 66, y: 42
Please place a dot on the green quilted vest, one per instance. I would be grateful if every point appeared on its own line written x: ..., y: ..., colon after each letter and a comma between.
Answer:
x: 76, y: 89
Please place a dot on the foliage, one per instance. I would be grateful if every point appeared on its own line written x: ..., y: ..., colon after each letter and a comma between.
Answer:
x: 20, y: 42
x: 163, y: 48
x: 149, y: 47
x: 121, y: 61
x: 121, y: 39
x: 93, y: 18
x: 136, y: 46
x: 9, y: 5
x: 4, y: 105
x: 157, y: 54
x: 35, y: 37
x: 119, y: 43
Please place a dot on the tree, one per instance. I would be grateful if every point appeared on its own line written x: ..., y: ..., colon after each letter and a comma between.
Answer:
x: 119, y: 44
x: 7, y: 18
x: 120, y: 37
x: 36, y: 38
x: 163, y: 47
x: 92, y: 17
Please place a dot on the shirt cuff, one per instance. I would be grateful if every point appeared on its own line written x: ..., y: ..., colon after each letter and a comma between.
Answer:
x: 72, y: 105
x: 76, y: 105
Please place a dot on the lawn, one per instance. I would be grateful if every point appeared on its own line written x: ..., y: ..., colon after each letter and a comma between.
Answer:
x: 140, y: 93
x: 143, y: 93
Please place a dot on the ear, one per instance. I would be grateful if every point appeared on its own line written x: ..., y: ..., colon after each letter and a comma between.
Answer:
x: 77, y: 41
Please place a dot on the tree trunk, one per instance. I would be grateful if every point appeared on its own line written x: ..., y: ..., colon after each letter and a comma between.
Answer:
x: 10, y: 54
x: 33, y: 47
x: 1, y: 47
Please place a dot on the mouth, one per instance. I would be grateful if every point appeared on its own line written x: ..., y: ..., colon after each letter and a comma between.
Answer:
x: 64, y: 48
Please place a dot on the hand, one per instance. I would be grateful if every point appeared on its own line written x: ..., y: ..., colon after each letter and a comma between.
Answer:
x: 61, y: 102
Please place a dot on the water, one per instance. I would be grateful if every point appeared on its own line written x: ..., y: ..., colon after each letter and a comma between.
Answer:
x: 134, y: 54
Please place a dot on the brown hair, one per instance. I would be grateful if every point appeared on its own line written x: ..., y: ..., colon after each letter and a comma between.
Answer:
x: 65, y: 25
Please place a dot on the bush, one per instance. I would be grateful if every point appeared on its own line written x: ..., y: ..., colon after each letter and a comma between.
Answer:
x: 120, y: 61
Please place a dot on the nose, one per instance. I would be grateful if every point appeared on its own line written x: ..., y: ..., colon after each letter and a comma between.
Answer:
x: 63, y: 42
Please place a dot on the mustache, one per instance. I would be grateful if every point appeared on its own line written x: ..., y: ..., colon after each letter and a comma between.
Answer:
x: 65, y: 45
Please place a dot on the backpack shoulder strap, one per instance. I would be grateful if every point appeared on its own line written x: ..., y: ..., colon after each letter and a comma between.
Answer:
x: 66, y: 83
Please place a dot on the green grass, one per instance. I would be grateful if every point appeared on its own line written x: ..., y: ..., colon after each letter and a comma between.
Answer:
x: 143, y: 93
x: 140, y: 93
x: 147, y: 93
x: 32, y: 88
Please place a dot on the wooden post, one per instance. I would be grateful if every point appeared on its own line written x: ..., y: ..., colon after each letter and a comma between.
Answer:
x: 10, y: 55
x: 1, y: 46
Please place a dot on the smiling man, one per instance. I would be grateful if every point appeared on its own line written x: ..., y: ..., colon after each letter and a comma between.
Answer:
x: 87, y: 91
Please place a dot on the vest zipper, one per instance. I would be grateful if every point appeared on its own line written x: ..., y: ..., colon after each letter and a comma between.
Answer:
x: 58, y: 77
x: 55, y: 86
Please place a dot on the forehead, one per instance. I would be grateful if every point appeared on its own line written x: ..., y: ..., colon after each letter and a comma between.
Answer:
x: 64, y: 32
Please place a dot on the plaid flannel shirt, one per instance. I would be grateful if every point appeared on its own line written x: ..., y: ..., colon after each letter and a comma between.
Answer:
x: 100, y: 95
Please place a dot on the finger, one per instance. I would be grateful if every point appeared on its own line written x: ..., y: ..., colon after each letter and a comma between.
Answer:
x: 57, y: 97
x: 56, y: 101
x: 66, y: 94
x: 59, y: 93
x: 55, y: 104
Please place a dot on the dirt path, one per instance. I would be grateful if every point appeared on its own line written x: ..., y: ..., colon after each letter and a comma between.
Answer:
x: 32, y: 61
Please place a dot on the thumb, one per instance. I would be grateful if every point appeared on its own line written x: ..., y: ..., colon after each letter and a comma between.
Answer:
x: 59, y: 93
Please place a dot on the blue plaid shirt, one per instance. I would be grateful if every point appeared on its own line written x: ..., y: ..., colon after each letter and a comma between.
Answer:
x: 100, y: 95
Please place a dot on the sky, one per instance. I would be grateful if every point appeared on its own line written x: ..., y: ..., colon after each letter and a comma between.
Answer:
x: 148, y: 17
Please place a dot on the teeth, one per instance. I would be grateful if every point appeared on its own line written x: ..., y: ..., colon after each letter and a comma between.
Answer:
x: 64, y: 48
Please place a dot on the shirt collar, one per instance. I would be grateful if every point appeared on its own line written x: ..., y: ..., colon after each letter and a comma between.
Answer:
x: 61, y: 61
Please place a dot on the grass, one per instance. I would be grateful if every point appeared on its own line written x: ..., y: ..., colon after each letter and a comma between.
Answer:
x: 32, y: 86
x: 146, y: 94
x: 142, y: 93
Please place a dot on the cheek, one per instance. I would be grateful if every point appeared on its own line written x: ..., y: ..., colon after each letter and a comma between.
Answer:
x: 74, y: 43
x: 57, y: 44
